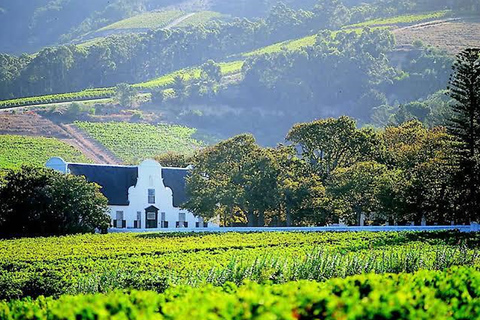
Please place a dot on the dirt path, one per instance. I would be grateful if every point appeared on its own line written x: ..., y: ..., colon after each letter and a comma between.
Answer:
x: 177, y: 21
x: 89, y: 147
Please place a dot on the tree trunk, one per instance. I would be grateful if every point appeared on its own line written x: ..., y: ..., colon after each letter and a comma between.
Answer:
x: 250, y: 219
x: 288, y: 216
x: 261, y: 219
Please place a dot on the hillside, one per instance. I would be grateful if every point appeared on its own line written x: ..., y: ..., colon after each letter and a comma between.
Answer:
x: 16, y: 151
x: 33, y: 25
x: 244, y: 75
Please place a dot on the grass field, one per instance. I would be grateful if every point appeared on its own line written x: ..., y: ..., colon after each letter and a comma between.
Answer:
x: 219, y: 276
x: 134, y: 142
x: 16, y: 151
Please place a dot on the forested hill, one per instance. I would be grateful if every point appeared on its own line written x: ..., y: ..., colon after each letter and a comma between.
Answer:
x: 30, y: 25
x: 265, y: 67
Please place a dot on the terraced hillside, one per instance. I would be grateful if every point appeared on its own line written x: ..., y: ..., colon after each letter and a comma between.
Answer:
x: 16, y: 151
x: 133, y: 142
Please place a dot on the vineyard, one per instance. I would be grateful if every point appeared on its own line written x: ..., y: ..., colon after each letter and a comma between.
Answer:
x: 90, y: 94
x: 161, y: 19
x: 150, y: 20
x: 133, y: 142
x: 227, y: 68
x: 16, y: 151
x: 451, y: 294
x: 233, y: 275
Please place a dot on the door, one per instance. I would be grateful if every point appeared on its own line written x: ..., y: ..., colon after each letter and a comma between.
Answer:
x: 151, y: 220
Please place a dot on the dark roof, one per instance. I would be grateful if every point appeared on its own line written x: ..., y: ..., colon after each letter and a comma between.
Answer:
x: 114, y: 180
x: 174, y: 178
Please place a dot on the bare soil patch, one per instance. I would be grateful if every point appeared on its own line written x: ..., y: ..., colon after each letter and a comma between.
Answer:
x: 450, y: 35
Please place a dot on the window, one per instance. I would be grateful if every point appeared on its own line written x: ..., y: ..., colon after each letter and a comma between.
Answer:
x: 119, y: 220
x: 139, y: 219
x: 151, y: 215
x: 181, y: 217
x: 151, y: 196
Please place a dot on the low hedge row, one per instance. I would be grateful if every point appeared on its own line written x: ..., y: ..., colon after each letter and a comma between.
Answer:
x: 449, y: 294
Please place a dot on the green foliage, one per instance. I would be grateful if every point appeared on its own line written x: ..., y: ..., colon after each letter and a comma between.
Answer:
x: 174, y: 159
x: 102, y: 263
x: 168, y: 81
x: 39, y: 202
x: 16, y: 151
x: 125, y: 94
x: 331, y: 143
x: 133, y: 142
x: 448, y: 294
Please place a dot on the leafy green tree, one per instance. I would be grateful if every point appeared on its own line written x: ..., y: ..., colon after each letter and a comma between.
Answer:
x: 331, y: 143
x: 39, y: 202
x: 299, y: 191
x: 174, y: 159
x: 355, y: 191
x: 125, y: 94
x: 424, y: 164
x: 464, y: 89
x: 235, y: 177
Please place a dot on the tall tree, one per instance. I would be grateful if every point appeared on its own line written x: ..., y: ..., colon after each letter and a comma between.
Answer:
x: 331, y: 143
x: 464, y: 89
x: 228, y: 178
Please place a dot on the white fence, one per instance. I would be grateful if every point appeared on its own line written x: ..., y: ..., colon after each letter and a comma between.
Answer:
x: 474, y: 227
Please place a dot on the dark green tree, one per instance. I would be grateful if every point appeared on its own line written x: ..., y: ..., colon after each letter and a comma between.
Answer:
x: 464, y: 89
x: 39, y: 202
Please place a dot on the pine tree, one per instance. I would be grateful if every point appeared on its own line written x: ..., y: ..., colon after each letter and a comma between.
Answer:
x: 464, y: 89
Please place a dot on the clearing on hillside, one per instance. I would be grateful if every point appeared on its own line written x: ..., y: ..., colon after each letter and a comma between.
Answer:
x: 450, y: 35
x: 16, y: 151
x: 133, y: 142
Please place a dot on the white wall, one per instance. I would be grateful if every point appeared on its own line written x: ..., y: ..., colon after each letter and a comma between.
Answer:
x: 150, y: 177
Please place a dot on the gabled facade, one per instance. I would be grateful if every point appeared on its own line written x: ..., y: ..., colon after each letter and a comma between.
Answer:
x: 147, y: 196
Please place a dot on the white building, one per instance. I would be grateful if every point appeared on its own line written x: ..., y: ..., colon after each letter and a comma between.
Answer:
x: 147, y: 196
